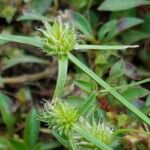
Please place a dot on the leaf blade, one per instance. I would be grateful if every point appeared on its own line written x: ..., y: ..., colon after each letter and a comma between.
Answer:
x: 21, y: 39
x: 31, y: 128
x: 118, y: 5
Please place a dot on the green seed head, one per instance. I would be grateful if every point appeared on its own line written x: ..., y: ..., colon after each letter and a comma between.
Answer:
x: 101, y: 131
x: 60, y: 116
x: 57, y: 39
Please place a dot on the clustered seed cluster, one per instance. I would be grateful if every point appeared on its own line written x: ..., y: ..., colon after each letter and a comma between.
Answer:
x: 57, y: 39
x: 60, y: 116
x: 102, y: 131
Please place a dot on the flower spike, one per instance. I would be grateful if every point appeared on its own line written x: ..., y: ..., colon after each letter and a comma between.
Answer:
x: 57, y: 39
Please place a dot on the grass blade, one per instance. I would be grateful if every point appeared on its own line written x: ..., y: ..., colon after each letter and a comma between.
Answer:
x: 83, y: 108
x: 31, y: 132
x: 62, y: 73
x: 5, y: 111
x: 12, y: 61
x: 21, y: 39
x: 105, y: 47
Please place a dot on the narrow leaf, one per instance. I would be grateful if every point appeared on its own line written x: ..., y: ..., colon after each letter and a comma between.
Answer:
x: 40, y: 6
x: 62, y: 74
x: 117, y: 5
x: 31, y: 128
x: 86, y: 86
x: 81, y: 23
x: 17, y: 145
x: 32, y: 16
x: 22, y: 59
x: 115, y: 27
x: 134, y: 93
x: 133, y: 36
x: 105, y: 47
x: 62, y: 140
x: 7, y: 116
x: 21, y: 39
x: 85, y: 106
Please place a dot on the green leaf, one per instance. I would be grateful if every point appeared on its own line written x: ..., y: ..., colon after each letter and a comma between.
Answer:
x: 114, y: 27
x: 61, y: 78
x: 124, y: 13
x: 106, y: 28
x: 134, y: 92
x: 105, y: 47
x: 75, y: 100
x: 145, y: 25
x: 17, y: 145
x: 117, y: 68
x: 21, y: 59
x: 86, y: 86
x: 4, y: 144
x: 21, y: 39
x: 40, y: 6
x: 31, y: 131
x: 61, y: 139
x: 117, y: 5
x: 147, y: 101
x: 7, y: 116
x: 81, y: 23
x: 133, y: 36
x: 47, y: 146
x: 116, y: 73
x: 32, y: 16
x: 85, y: 106
x: 78, y: 4
x: 7, y: 11
x: 121, y: 120
x: 2, y: 42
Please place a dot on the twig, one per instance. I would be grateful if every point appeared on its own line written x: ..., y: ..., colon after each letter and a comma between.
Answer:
x: 48, y: 72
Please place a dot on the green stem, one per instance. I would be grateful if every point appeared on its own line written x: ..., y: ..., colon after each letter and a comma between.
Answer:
x: 62, y: 74
x: 102, y: 83
x: 60, y: 139
x: 71, y: 141
x: 105, y: 47
x: 130, y: 130
x: 88, y: 136
x: 126, y: 86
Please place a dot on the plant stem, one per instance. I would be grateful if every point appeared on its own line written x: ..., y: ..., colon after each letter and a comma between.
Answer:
x: 62, y: 74
x: 60, y: 139
x: 71, y: 141
x: 102, y: 83
x: 128, y: 85
x: 105, y: 47
x: 87, y: 135
x: 130, y: 130
x: 85, y: 106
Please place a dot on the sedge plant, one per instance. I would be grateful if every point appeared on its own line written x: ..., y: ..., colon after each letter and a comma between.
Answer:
x: 60, y: 39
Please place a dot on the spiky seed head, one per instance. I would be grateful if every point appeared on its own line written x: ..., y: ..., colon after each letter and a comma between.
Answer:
x: 101, y: 131
x: 60, y: 116
x: 57, y: 39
